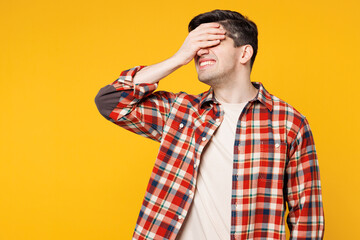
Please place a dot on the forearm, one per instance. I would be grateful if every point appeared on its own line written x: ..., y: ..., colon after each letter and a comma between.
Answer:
x: 154, y: 73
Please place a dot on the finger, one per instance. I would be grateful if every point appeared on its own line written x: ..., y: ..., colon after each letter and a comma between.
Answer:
x: 211, y: 43
x: 209, y: 31
x: 209, y: 37
x: 210, y: 24
x: 203, y: 34
x: 206, y: 37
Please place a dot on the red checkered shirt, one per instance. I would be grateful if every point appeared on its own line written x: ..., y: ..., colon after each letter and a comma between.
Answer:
x: 274, y: 163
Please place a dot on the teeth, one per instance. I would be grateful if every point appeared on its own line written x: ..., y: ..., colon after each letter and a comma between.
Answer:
x: 207, y: 63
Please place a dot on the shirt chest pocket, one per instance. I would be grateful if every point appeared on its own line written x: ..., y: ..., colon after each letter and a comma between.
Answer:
x: 178, y: 137
x: 273, y: 155
x: 180, y: 127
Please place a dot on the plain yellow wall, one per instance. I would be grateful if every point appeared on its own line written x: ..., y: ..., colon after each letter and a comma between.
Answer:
x: 68, y: 173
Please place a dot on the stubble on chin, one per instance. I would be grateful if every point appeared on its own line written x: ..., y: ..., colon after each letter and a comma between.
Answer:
x: 211, y: 81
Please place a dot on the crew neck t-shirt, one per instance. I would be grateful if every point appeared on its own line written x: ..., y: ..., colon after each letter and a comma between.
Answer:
x: 209, y: 217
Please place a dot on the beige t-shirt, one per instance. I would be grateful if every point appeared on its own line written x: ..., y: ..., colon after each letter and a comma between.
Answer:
x: 209, y: 217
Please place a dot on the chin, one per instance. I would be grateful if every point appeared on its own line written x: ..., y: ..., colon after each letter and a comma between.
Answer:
x: 209, y: 80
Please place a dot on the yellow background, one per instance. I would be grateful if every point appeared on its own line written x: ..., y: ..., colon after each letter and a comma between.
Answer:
x: 68, y: 173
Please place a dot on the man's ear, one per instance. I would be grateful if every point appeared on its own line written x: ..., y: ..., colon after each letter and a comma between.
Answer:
x: 246, y: 53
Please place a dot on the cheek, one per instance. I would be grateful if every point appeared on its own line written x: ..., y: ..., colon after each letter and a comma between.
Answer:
x: 229, y: 63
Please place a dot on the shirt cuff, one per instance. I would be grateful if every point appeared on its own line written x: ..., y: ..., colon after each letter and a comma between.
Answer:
x: 125, y: 80
x: 140, y: 90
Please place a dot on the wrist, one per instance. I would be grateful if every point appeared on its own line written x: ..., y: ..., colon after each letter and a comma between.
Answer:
x: 176, y: 61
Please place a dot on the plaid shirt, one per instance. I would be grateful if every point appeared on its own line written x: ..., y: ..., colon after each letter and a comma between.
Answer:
x: 275, y: 160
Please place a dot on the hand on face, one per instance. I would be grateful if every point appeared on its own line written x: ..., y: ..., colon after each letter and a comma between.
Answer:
x: 204, y: 36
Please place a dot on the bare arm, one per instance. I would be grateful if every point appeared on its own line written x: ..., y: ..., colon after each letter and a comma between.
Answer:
x: 204, y: 36
x: 154, y: 73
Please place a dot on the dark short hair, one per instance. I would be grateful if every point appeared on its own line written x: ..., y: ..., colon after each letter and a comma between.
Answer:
x: 238, y: 27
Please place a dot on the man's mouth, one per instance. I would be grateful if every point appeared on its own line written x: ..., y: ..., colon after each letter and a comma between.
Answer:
x: 206, y: 63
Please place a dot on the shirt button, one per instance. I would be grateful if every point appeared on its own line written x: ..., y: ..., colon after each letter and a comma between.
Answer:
x: 181, y: 125
x: 191, y: 193
x: 277, y: 145
x: 218, y: 119
x: 204, y: 138
x: 237, y: 206
x: 195, y: 165
x: 179, y: 217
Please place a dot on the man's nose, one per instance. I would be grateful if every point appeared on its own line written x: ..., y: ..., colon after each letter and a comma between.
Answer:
x: 202, y: 51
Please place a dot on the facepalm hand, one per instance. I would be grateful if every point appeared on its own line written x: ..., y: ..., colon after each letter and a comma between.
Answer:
x: 204, y: 36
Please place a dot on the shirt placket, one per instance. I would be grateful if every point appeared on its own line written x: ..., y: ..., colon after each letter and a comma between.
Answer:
x: 202, y: 136
x: 237, y: 207
x: 204, y: 133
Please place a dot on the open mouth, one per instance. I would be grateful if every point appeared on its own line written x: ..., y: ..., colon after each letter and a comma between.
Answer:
x: 206, y: 63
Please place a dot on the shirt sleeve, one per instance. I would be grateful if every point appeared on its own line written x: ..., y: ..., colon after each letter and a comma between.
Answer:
x: 135, y: 107
x: 303, y: 188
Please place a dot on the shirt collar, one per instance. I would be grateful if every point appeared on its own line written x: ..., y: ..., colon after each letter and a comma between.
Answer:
x: 263, y: 96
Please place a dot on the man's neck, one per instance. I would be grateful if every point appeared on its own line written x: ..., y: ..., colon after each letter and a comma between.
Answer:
x: 237, y: 91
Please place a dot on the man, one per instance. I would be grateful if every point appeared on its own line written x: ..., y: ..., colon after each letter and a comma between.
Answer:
x: 230, y: 158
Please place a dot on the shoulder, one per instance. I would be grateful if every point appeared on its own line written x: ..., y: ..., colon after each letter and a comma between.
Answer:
x: 292, y: 119
x: 279, y: 105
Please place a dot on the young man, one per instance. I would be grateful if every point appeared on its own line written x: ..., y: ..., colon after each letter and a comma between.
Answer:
x: 230, y: 158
